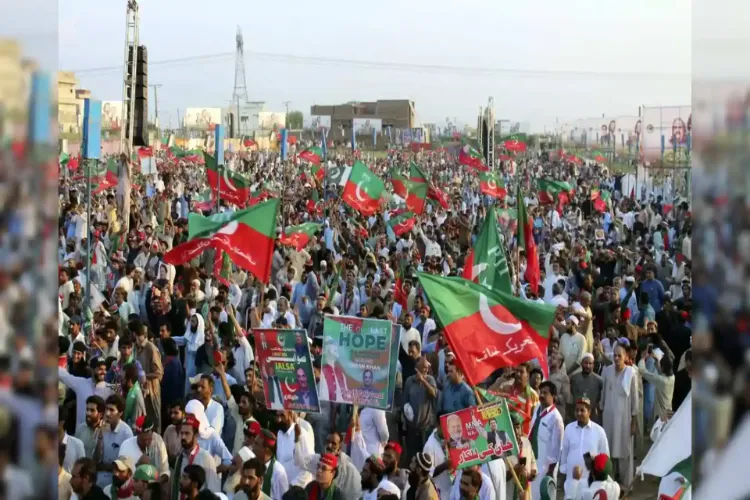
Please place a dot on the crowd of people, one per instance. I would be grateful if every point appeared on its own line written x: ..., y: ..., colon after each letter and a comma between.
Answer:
x: 160, y: 395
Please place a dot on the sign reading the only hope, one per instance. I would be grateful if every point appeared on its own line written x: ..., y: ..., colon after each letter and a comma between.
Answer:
x: 356, y: 362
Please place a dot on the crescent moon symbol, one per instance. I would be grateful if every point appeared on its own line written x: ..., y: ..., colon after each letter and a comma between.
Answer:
x: 228, y: 182
x: 492, y: 184
x: 230, y: 228
x: 492, y: 322
x: 357, y: 193
x: 477, y: 270
x: 286, y: 384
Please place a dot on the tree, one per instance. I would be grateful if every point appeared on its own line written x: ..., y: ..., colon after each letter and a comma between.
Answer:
x: 294, y: 120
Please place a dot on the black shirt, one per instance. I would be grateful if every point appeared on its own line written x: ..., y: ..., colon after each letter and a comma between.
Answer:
x: 95, y: 493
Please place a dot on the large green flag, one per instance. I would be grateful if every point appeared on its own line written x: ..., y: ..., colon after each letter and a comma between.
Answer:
x: 486, y: 263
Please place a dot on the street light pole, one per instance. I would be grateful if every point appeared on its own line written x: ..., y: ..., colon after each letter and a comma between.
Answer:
x: 156, y: 105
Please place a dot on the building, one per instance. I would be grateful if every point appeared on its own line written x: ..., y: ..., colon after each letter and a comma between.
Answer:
x: 398, y: 114
x: 67, y: 102
x: 11, y: 76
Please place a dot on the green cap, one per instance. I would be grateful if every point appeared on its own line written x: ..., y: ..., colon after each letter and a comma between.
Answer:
x: 516, y: 418
x: 146, y: 472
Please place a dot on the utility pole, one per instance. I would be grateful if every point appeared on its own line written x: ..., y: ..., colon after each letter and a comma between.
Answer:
x: 156, y: 105
x: 286, y: 103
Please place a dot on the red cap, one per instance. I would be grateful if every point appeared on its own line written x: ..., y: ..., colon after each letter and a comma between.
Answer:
x: 252, y: 427
x: 191, y: 421
x: 330, y: 460
x: 269, y: 438
x: 395, y: 447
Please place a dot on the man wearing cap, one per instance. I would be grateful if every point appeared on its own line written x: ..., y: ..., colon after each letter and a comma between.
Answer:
x: 601, y: 472
x: 421, y: 486
x: 122, y: 484
x: 391, y: 458
x: 588, y: 384
x: 85, y: 387
x: 348, y: 478
x: 275, y: 481
x: 572, y: 345
x: 192, y: 454
x: 250, y: 430
x: 584, y: 436
x: 323, y: 487
x: 546, y: 436
x: 147, y: 447
x: 147, y: 482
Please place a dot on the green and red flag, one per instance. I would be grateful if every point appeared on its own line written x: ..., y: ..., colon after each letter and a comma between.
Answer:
x: 549, y: 191
x: 600, y: 199
x: 435, y: 193
x: 416, y: 196
x: 247, y: 141
x: 233, y: 187
x: 399, y: 183
x: 223, y: 267
x: 247, y: 236
x: 204, y: 201
x: 363, y: 190
x: 299, y: 236
x: 257, y: 196
x: 486, y: 263
x: 515, y: 146
x: 492, y: 185
x: 314, y: 155
x: 319, y: 172
x: 472, y: 158
x: 525, y: 241
x: 416, y: 174
x: 107, y: 179
x: 402, y: 223
x: 488, y: 329
x: 313, y: 204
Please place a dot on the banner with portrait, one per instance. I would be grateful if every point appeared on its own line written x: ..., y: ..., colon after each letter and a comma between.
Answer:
x: 320, y: 123
x: 367, y: 126
x: 286, y: 370
x: 356, y: 362
x: 479, y: 434
x: 667, y: 135
x: 111, y: 115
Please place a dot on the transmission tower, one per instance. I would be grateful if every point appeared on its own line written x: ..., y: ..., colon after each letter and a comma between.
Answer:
x: 240, y: 83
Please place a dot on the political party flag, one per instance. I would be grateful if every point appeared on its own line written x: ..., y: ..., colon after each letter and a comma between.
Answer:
x: 204, y: 201
x: 515, y: 145
x: 488, y: 329
x: 286, y: 370
x: 486, y: 263
x: 363, y: 190
x: 549, y: 190
x: 299, y: 236
x: 399, y: 183
x: 338, y: 175
x: 248, y: 142
x: 222, y: 267
x: 356, y: 364
x: 402, y: 223
x: 108, y: 180
x: 472, y: 158
x: 600, y: 199
x: 247, y: 236
x: 228, y: 185
x: 314, y: 155
x: 492, y: 185
x: 436, y: 194
x: 479, y: 434
x: 257, y: 196
x: 416, y: 196
x: 416, y: 174
x: 525, y: 241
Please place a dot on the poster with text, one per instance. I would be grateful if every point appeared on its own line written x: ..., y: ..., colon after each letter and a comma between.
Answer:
x: 356, y: 363
x: 286, y: 370
x: 366, y: 126
x: 667, y: 135
x: 479, y: 434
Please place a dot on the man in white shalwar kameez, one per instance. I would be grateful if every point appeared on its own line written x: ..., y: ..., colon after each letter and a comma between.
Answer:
x: 546, y: 436
x: 620, y: 405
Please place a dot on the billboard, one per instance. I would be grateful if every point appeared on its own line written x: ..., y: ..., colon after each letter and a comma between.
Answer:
x: 111, y: 115
x: 667, y: 135
x: 202, y: 118
x: 320, y: 122
x: 627, y: 134
x: 269, y: 120
x: 365, y: 126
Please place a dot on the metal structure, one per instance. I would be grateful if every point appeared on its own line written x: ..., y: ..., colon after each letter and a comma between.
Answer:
x: 129, y: 77
x: 156, y: 106
x: 239, y: 95
x: 489, y: 119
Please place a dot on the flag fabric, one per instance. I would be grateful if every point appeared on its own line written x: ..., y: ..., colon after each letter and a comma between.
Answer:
x: 108, y: 179
x: 363, y: 190
x: 223, y: 268
x: 204, y: 201
x: 299, y: 236
x: 416, y: 174
x: 247, y: 236
x: 338, y: 175
x: 314, y: 155
x: 515, y: 145
x: 525, y: 241
x: 399, y: 295
x: 486, y: 263
x: 434, y: 193
x: 416, y: 196
x: 402, y: 223
x: 233, y: 187
x: 247, y: 141
x: 257, y: 196
x: 488, y: 329
x: 492, y: 185
x: 600, y: 199
x: 671, y: 448
x: 471, y: 158
x: 399, y: 183
x: 549, y: 190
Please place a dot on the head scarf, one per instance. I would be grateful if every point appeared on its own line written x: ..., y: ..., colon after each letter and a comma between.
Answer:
x: 195, y: 407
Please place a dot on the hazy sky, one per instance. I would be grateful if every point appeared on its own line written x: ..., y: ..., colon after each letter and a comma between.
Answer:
x: 567, y: 60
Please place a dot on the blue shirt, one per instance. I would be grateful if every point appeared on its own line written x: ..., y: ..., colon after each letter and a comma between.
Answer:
x: 655, y: 291
x: 455, y: 397
x: 111, y: 442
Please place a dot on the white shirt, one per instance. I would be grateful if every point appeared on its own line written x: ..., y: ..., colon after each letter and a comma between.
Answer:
x: 486, y: 491
x: 279, y: 480
x: 129, y: 448
x: 384, y: 484
x: 73, y: 451
x: 549, y: 437
x: 285, y: 450
x: 443, y: 480
x: 215, y: 416
x: 374, y: 430
x: 577, y: 441
x: 572, y: 347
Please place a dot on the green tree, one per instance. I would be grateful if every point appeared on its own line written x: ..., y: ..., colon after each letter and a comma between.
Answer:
x: 294, y: 120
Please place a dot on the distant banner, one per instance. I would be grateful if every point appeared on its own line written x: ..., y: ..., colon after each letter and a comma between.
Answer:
x: 286, y: 370
x: 417, y: 135
x: 202, y: 118
x: 111, y: 115
x: 366, y: 126
x: 667, y: 135
x: 479, y: 434
x: 320, y: 122
x: 356, y: 362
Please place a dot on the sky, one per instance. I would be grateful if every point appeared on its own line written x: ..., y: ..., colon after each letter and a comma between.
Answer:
x: 543, y: 62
